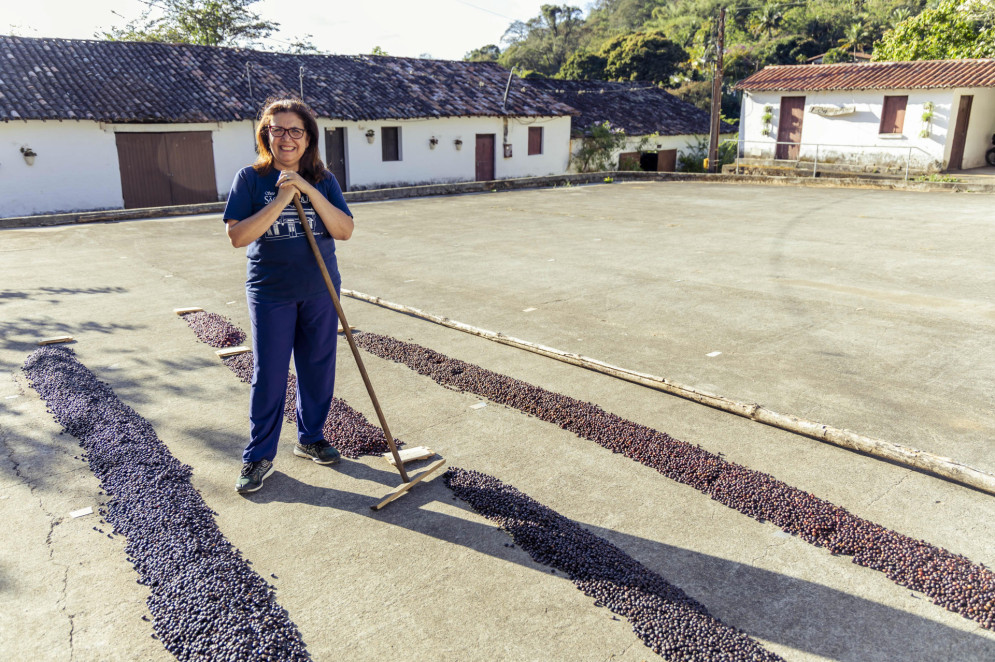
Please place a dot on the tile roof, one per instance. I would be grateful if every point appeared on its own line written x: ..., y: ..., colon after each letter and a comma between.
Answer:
x: 640, y: 108
x: 921, y: 74
x: 151, y: 82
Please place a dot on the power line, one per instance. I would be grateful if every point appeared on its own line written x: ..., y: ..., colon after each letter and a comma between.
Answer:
x: 468, y: 4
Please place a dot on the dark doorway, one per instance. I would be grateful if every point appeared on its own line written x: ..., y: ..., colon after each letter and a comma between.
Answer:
x: 664, y: 160
x: 960, y: 132
x: 484, y: 157
x: 335, y: 154
x: 162, y: 169
x: 789, y: 128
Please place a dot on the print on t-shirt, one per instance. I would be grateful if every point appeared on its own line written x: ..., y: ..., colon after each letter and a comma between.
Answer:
x: 288, y: 225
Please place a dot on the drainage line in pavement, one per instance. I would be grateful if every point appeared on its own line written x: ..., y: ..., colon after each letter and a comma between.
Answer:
x: 920, y: 460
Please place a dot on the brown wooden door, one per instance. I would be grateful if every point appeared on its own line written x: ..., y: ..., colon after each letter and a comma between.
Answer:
x: 162, y: 169
x: 335, y: 154
x: 789, y: 128
x: 960, y: 132
x: 484, y: 171
x: 191, y: 167
x: 628, y: 161
x: 666, y: 160
x: 144, y: 170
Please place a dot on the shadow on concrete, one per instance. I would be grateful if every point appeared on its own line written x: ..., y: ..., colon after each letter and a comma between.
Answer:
x: 152, y: 385
x: 38, y: 452
x: 222, y: 440
x: 21, y: 335
x: 772, y: 606
x: 39, y: 294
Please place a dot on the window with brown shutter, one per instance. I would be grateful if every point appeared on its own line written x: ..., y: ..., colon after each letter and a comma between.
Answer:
x: 391, y: 143
x: 535, y: 140
x: 893, y: 114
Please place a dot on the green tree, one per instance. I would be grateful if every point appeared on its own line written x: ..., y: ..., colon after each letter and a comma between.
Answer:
x: 952, y: 29
x: 854, y: 38
x: 543, y: 43
x: 794, y: 49
x: 767, y: 20
x: 598, y: 146
x: 378, y: 51
x: 584, y: 66
x: 699, y: 93
x: 303, y: 45
x: 898, y: 16
x: 204, y: 22
x: 488, y: 53
x: 610, y: 18
x: 642, y: 56
x: 836, y: 55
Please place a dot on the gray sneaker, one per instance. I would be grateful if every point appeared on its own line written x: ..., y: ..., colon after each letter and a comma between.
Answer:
x: 252, y: 476
x: 321, y: 452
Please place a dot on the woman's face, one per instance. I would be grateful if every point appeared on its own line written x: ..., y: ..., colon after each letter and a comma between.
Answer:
x: 287, y: 150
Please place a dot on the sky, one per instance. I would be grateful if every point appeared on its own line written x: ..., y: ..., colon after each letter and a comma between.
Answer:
x: 442, y: 29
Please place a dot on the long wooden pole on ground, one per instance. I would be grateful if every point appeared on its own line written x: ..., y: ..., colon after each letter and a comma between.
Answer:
x: 944, y: 467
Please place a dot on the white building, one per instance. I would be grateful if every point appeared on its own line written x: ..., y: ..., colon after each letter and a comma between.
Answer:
x: 90, y: 125
x: 931, y: 115
x: 660, y: 127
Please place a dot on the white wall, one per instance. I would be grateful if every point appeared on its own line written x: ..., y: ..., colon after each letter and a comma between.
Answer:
x: 421, y: 164
x: 980, y: 127
x: 77, y: 165
x: 76, y: 168
x: 856, y: 133
x: 234, y: 145
x: 234, y: 148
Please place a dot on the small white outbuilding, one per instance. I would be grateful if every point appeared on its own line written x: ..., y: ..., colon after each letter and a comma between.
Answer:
x: 661, y: 128
x: 925, y: 116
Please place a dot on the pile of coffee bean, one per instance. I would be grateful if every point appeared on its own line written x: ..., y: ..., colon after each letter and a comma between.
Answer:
x: 670, y: 622
x: 206, y: 602
x: 215, y: 330
x: 950, y: 580
x: 345, y: 428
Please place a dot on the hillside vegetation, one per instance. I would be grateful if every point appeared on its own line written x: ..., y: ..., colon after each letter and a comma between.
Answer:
x: 673, y: 42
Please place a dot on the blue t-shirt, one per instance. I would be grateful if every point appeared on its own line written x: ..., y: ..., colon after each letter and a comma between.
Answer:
x: 281, y: 264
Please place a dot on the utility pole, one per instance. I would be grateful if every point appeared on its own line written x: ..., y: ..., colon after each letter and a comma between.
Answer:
x: 715, y: 119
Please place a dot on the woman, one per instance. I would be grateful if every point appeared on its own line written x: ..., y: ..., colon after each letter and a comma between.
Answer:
x: 289, y: 305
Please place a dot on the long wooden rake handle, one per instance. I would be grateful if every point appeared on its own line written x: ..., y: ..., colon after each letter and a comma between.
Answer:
x: 348, y: 335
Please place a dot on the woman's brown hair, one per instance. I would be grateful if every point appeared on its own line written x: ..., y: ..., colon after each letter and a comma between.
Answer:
x: 311, y: 167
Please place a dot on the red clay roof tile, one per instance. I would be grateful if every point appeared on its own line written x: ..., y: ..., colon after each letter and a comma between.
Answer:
x: 922, y: 74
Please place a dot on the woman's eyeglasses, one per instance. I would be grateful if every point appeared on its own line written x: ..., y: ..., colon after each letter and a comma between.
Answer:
x: 279, y: 131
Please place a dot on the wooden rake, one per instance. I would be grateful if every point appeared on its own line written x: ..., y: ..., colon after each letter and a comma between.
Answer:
x: 408, y: 482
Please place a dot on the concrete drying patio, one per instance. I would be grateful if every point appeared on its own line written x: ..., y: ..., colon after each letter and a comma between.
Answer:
x: 867, y: 310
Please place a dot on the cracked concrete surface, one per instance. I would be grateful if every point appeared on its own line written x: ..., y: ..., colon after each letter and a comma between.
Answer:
x: 72, y: 590
x: 429, y: 568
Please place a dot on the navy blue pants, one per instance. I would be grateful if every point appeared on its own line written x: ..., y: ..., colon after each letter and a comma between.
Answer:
x: 308, y: 329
